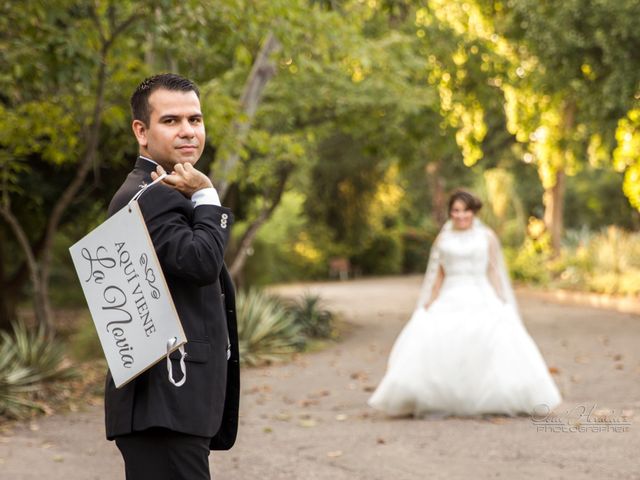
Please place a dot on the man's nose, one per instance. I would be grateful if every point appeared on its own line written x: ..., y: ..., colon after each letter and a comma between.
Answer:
x: 186, y: 129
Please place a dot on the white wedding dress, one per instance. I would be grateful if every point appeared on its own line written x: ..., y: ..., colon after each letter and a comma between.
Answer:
x: 469, y: 352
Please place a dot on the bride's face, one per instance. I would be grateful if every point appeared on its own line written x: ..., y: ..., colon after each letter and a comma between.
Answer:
x: 461, y: 215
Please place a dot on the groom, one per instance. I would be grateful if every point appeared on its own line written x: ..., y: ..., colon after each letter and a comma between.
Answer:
x: 165, y: 432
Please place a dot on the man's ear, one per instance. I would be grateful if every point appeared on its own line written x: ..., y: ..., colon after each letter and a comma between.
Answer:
x: 140, y: 131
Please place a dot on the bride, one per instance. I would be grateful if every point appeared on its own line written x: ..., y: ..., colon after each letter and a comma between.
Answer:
x: 465, y: 350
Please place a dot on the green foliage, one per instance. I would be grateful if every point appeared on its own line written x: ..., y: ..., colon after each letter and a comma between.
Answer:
x: 16, y: 382
x: 271, y: 329
x: 376, y: 111
x: 626, y: 156
x: 503, y: 210
x: 70, y: 67
x: 266, y: 329
x: 284, y: 249
x: 28, y: 359
x: 381, y: 254
x: 573, y: 81
x: 595, y: 199
x: 615, y: 257
x: 606, y: 262
x: 529, y: 263
x: 416, y: 248
x: 314, y: 320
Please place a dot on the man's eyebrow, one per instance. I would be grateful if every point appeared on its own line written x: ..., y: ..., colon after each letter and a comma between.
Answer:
x: 171, y: 116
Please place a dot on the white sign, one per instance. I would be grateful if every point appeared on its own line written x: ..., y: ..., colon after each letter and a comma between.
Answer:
x: 127, y: 294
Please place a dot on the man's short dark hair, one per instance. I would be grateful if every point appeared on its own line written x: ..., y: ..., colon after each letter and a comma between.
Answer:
x: 140, y: 108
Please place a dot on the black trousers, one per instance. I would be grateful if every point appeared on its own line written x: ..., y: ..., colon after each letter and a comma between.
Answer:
x: 161, y: 454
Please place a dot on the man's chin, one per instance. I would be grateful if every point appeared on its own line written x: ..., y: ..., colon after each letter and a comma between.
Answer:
x: 188, y: 158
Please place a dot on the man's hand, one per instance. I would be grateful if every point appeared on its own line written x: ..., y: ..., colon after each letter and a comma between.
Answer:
x: 184, y: 178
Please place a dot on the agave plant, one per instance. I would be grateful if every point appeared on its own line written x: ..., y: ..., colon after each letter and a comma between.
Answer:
x: 34, y: 350
x: 314, y: 320
x: 266, y: 329
x: 27, y: 359
x: 16, y: 381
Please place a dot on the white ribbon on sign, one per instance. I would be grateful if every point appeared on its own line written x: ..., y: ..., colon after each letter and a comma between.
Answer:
x: 170, y: 343
x: 144, y: 189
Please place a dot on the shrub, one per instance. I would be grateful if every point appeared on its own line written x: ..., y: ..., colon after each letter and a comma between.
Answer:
x: 16, y: 382
x: 605, y: 262
x: 267, y: 331
x: 615, y: 258
x: 314, y: 321
x: 28, y: 359
x: 416, y: 246
x: 530, y: 263
x: 381, y: 255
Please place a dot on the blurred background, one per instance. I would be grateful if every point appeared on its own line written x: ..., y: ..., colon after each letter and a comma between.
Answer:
x: 336, y: 131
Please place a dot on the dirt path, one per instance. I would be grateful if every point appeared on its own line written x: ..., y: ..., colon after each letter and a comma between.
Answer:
x: 309, y: 419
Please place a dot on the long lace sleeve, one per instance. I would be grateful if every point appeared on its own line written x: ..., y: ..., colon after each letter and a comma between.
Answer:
x: 492, y: 268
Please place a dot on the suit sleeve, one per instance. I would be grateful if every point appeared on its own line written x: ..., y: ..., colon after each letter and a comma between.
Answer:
x: 190, y: 242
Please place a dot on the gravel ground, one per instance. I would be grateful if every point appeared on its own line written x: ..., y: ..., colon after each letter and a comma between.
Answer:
x: 308, y: 419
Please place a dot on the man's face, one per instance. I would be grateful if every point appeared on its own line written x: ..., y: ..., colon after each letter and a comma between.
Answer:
x: 175, y: 133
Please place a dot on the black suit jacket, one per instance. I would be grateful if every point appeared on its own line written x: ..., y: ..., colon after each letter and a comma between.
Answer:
x: 190, y: 244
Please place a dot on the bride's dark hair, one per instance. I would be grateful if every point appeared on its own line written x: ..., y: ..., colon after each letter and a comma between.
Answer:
x: 472, y: 202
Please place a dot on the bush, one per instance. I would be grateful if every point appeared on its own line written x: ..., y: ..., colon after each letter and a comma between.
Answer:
x: 615, y: 258
x: 314, y: 321
x: 382, y: 255
x: 530, y: 263
x: 606, y: 262
x: 287, y: 247
x: 28, y: 359
x: 267, y: 331
x: 416, y: 246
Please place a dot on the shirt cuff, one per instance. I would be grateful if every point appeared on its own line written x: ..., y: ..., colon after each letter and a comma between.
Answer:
x: 206, y: 196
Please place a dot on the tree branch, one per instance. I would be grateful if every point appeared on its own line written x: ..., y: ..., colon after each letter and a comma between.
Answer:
x: 250, y: 234
x: 261, y: 72
x: 93, y: 137
x: 42, y: 315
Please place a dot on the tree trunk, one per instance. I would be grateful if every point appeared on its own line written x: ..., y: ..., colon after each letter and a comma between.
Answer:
x: 553, y: 210
x: 439, y: 212
x: 249, y: 235
x: 261, y: 72
x: 40, y: 271
x: 7, y: 302
x: 72, y: 190
x: 553, y: 198
x: 41, y: 304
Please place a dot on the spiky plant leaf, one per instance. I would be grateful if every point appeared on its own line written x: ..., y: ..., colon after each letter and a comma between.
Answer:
x: 27, y: 360
x: 34, y: 350
x: 266, y: 329
x: 314, y: 320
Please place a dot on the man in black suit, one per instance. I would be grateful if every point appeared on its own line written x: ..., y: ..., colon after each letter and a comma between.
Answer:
x: 164, y: 431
